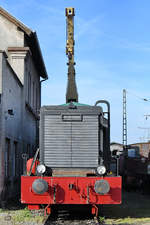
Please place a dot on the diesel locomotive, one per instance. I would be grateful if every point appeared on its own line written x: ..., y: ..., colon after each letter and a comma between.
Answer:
x: 73, y: 166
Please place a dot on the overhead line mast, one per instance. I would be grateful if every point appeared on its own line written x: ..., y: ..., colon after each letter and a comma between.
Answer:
x: 124, y: 135
x: 71, y: 94
x: 124, y: 126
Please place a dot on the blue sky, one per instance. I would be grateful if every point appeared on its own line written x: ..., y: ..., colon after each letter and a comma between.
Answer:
x: 112, y: 53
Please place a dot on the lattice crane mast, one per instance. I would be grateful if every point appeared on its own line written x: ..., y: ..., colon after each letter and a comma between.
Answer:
x: 71, y: 94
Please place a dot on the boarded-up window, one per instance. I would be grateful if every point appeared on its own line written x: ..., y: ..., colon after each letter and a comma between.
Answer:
x: 33, y: 95
x: 28, y: 150
x: 29, y: 88
x: 37, y: 99
x: 16, y: 159
x: 7, y: 158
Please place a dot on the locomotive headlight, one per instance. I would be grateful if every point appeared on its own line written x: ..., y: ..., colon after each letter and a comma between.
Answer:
x: 39, y: 186
x: 102, y: 187
x: 148, y: 169
x: 41, y: 169
x: 101, y: 170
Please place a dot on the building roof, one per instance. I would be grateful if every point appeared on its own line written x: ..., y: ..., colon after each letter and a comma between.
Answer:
x: 139, y: 143
x: 32, y: 40
x: 116, y: 143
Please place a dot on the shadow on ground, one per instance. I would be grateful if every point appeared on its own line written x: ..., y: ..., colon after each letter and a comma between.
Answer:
x: 134, y: 205
x: 12, y: 204
x: 69, y: 214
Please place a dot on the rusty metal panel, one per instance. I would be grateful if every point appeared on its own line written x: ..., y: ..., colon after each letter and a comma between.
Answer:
x: 72, y: 172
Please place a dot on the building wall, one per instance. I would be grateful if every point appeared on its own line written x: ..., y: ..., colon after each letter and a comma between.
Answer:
x: 10, y: 35
x: 20, y: 130
x: 27, y: 73
x: 20, y: 92
x: 12, y: 127
x: 12, y: 99
x: 1, y: 130
x: 32, y: 97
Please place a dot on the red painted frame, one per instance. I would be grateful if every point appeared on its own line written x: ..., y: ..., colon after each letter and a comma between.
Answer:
x: 70, y: 190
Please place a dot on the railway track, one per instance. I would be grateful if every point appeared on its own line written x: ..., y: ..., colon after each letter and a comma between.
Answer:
x: 71, y: 217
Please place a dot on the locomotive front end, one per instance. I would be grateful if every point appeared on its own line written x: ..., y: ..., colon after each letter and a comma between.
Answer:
x: 74, y: 159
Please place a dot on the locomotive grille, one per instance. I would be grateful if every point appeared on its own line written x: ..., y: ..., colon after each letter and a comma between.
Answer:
x: 70, y: 140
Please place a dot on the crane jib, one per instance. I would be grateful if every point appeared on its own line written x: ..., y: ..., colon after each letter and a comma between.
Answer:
x: 71, y: 93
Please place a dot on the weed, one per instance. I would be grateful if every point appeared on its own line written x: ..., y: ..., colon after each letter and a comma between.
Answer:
x: 101, y: 219
x: 25, y: 215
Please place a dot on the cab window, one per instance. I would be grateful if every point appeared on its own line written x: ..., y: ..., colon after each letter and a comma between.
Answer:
x: 133, y: 153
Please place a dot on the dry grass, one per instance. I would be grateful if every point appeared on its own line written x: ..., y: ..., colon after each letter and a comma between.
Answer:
x: 20, y: 216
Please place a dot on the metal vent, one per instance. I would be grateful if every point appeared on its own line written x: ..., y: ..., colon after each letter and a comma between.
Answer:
x: 70, y: 140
